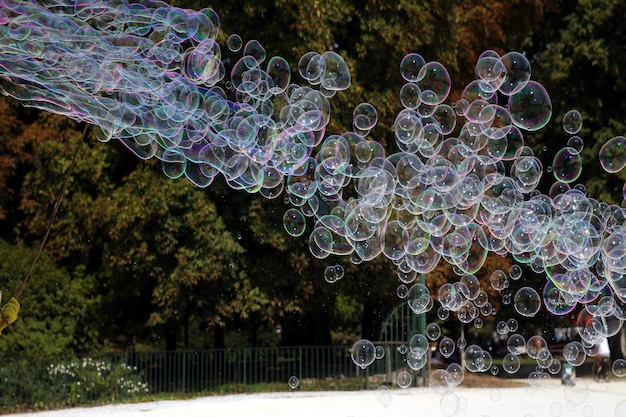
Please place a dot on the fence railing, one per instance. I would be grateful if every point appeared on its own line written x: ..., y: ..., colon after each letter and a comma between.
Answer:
x: 55, y: 382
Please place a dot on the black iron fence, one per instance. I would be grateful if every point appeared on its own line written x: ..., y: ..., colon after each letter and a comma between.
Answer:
x: 56, y: 382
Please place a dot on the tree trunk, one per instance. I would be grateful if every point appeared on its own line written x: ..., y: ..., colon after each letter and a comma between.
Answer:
x: 218, y: 337
x: 171, y: 337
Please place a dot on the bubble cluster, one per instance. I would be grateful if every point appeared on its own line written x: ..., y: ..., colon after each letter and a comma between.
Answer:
x: 462, y: 183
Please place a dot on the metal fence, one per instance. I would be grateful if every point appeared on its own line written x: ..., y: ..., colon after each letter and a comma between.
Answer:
x: 55, y: 382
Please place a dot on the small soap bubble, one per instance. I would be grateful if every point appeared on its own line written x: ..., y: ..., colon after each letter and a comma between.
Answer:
x: 613, y: 154
x: 527, y: 301
x: 515, y: 272
x: 293, y: 382
x: 619, y: 368
x: 461, y: 342
x: 383, y: 396
x: 495, y: 394
x: 379, y: 352
x: 572, y: 122
x: 404, y: 379
x: 433, y: 331
x: 363, y: 353
x: 234, y: 42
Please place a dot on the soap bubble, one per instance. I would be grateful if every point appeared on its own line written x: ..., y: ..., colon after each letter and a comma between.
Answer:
x: 379, y: 352
x: 383, y: 396
x: 449, y: 404
x: 567, y: 165
x: 294, y: 222
x: 556, y: 409
x: 516, y: 73
x: 572, y: 122
x: 446, y: 346
x: 530, y: 108
x: 619, y: 368
x: 527, y: 301
x: 613, y: 154
x: 433, y: 331
x: 410, y: 67
x: 293, y: 382
x: 365, y: 116
x: 574, y: 353
x: 404, y: 379
x: 511, y: 363
x: 363, y: 353
x: 234, y: 42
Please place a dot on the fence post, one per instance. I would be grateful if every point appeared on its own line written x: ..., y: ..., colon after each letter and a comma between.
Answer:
x: 184, y: 369
x: 300, y: 375
x: 244, y: 369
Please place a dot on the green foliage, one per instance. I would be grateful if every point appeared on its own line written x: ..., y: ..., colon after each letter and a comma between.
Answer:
x: 55, y: 383
x: 580, y: 60
x: 53, y: 305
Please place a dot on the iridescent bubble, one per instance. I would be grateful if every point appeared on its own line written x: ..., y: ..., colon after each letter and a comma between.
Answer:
x: 576, y: 143
x: 293, y: 382
x: 477, y: 359
x: 364, y: 116
x: 330, y: 274
x: 556, y: 301
x: 530, y: 108
x: 363, y: 353
x: 336, y: 75
x: 534, y: 345
x: 516, y: 73
x: 572, y: 122
x: 515, y: 272
x: 434, y: 77
x: 410, y: 67
x: 567, y: 165
x: 410, y: 96
x: 454, y: 374
x: 498, y: 279
x: 294, y: 222
x: 613, y: 154
x: 555, y: 367
x: 416, y: 362
x: 279, y: 73
x: 418, y: 344
x: 234, y: 42
x: 527, y: 302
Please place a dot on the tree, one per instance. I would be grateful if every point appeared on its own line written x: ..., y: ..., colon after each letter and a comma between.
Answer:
x: 55, y: 306
x: 579, y: 58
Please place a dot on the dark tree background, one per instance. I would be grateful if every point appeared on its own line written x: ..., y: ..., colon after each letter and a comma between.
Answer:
x: 136, y: 260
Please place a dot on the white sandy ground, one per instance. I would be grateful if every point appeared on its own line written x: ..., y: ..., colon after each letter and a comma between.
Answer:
x: 604, y: 400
